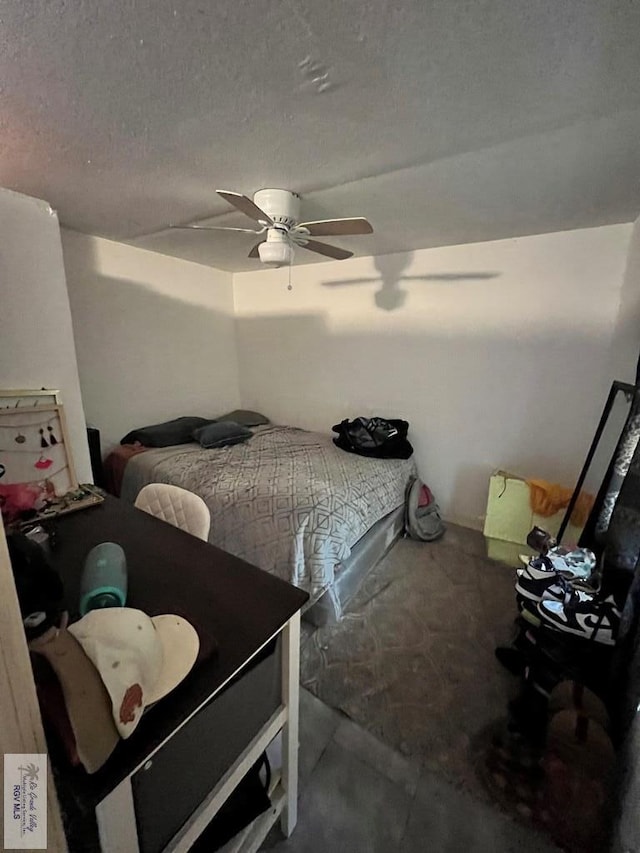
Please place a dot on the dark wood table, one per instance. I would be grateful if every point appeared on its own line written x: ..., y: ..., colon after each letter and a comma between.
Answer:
x: 245, y: 618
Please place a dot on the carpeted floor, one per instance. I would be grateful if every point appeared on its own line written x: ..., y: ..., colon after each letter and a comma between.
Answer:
x: 413, y: 659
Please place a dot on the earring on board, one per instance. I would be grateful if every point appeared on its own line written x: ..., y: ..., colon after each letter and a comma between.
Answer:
x: 43, y: 440
x: 52, y: 439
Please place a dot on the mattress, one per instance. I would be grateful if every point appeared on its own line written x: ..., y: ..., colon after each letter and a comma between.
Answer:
x: 287, y: 500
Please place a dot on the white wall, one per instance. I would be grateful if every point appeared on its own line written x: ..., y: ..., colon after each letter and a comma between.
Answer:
x: 626, y: 345
x: 499, y: 354
x: 154, y: 335
x: 36, y: 337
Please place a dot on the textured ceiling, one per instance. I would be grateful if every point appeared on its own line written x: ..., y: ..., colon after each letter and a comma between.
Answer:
x: 442, y: 121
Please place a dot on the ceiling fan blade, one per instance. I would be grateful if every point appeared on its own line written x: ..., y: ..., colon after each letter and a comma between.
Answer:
x: 254, y: 252
x: 214, y: 228
x: 243, y: 203
x: 325, y: 249
x: 337, y: 227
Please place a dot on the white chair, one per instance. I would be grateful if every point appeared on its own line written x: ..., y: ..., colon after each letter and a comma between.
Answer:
x: 176, y: 506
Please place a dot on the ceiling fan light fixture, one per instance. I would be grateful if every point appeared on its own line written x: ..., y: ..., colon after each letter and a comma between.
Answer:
x: 275, y: 253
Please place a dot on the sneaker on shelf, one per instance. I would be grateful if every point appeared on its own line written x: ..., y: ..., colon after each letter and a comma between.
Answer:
x: 584, y: 615
x: 550, y: 586
x: 535, y: 587
x: 538, y: 576
x: 572, y: 562
x: 529, y: 612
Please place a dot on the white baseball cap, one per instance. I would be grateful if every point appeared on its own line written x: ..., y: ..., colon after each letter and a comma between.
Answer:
x: 140, y: 658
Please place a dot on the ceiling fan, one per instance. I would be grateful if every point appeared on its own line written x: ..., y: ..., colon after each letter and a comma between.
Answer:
x: 277, y: 212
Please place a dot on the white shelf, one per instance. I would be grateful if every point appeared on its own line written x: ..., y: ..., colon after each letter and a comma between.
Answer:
x: 116, y: 813
x: 204, y: 814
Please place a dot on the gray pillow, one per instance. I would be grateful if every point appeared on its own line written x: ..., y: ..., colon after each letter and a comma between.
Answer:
x: 221, y: 434
x: 245, y: 417
x: 177, y: 431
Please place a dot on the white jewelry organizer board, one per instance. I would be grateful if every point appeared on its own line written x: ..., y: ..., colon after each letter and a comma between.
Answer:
x: 34, y: 446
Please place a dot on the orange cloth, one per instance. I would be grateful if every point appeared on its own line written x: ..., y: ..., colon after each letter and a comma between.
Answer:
x: 547, y: 499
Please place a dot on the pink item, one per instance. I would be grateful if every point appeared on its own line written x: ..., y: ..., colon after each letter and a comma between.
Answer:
x: 425, y: 498
x: 19, y: 497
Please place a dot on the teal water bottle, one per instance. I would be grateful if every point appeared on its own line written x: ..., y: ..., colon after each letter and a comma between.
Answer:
x: 104, y: 578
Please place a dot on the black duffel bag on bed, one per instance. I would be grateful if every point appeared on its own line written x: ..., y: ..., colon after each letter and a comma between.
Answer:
x: 379, y: 437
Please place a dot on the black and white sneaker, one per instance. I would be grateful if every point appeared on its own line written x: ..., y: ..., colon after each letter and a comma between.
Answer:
x: 529, y: 612
x: 538, y: 580
x: 584, y: 615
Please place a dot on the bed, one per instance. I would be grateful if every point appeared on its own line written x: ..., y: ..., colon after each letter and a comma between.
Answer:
x: 291, y: 502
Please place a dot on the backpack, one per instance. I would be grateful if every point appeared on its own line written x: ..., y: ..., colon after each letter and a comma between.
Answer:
x: 422, y: 518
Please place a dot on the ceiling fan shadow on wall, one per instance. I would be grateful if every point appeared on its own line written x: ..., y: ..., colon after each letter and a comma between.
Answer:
x: 277, y: 212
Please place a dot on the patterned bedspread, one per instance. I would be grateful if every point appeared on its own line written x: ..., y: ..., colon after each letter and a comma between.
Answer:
x: 287, y: 500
